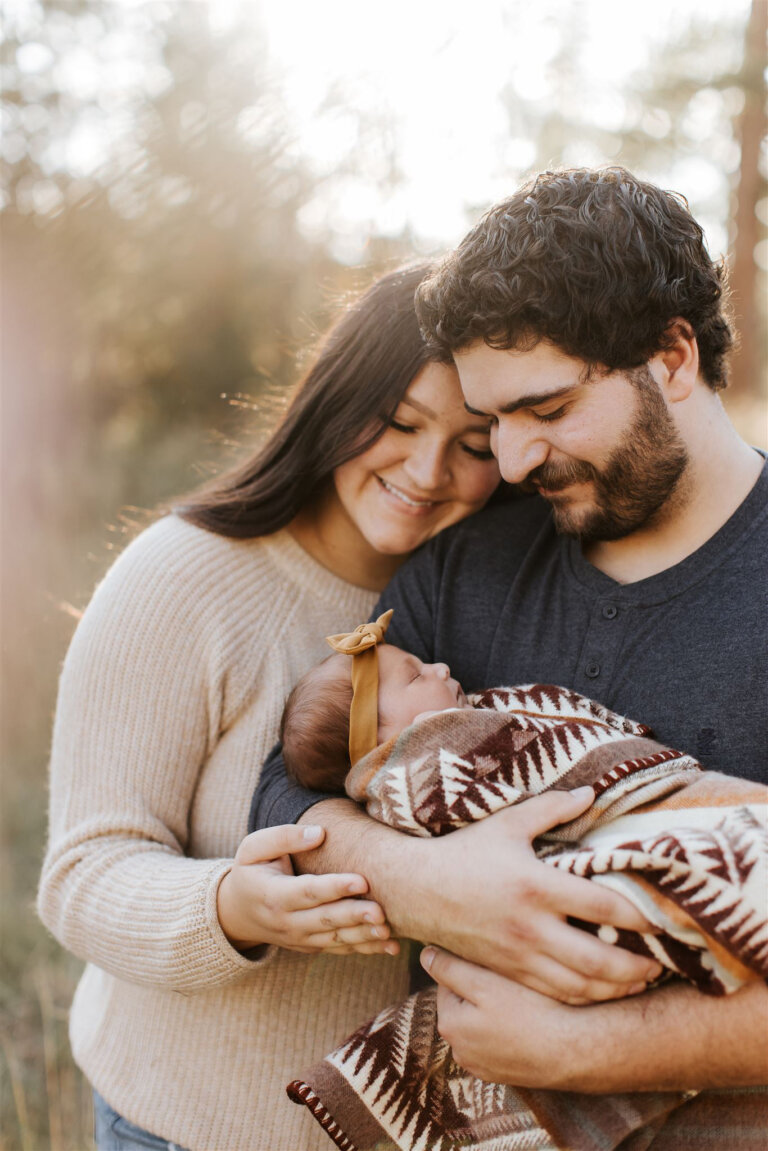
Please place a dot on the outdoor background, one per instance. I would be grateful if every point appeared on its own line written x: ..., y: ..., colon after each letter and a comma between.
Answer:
x: 189, y: 190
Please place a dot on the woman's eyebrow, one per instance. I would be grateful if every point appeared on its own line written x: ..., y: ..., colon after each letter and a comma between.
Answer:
x: 425, y: 411
x: 419, y: 407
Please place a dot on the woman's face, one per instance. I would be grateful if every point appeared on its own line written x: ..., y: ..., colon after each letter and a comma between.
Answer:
x: 432, y: 467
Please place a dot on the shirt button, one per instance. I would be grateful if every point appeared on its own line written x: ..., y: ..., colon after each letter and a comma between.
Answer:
x: 610, y: 611
x: 592, y: 670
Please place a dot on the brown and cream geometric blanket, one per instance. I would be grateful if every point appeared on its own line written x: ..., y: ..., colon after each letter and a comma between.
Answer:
x: 688, y: 847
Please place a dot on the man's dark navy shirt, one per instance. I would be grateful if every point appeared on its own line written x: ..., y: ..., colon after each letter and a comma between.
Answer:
x: 502, y: 599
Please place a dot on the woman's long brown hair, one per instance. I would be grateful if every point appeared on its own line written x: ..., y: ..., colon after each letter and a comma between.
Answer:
x: 363, y: 369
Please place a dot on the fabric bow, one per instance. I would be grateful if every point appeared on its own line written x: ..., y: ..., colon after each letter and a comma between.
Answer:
x: 365, y: 636
x: 364, y: 710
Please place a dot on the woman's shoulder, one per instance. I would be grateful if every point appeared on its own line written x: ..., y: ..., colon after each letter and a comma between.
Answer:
x: 173, y: 551
x: 174, y: 571
x: 171, y: 535
x: 176, y: 576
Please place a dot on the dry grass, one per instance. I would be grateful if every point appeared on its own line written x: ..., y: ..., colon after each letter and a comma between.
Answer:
x: 45, y: 1104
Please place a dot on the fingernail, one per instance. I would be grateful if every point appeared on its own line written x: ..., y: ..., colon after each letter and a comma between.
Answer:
x: 427, y: 958
x: 311, y: 831
x: 378, y: 932
x: 582, y: 792
x: 368, y: 917
x: 636, y: 989
x: 355, y: 887
x: 392, y: 949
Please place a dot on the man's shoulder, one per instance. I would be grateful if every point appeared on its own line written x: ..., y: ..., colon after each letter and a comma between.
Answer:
x: 508, y: 526
x: 463, y: 571
x: 740, y: 544
x: 496, y: 539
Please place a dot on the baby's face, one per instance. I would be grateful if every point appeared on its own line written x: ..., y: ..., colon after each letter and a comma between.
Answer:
x: 408, y: 687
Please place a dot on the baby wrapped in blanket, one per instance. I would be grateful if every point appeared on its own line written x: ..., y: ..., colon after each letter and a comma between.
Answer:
x: 688, y: 847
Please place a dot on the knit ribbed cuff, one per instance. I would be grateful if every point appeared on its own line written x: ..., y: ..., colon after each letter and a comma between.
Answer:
x: 228, y: 963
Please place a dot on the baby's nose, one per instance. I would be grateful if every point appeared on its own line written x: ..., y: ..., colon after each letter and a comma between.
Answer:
x: 441, y: 670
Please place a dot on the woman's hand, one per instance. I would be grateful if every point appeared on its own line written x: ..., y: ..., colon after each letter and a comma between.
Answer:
x: 261, y: 900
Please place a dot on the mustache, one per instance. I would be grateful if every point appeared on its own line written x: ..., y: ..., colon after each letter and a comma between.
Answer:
x: 553, y: 477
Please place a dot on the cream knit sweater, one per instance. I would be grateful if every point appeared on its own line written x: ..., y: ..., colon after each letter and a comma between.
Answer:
x: 170, y: 698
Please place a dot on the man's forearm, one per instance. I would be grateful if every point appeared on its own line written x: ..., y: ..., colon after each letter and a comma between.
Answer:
x: 395, y: 865
x: 482, y: 894
x: 672, y: 1038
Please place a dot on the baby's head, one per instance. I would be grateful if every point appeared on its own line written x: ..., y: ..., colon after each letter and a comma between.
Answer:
x: 315, y: 724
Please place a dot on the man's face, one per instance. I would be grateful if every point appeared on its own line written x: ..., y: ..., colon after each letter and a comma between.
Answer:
x: 602, y: 448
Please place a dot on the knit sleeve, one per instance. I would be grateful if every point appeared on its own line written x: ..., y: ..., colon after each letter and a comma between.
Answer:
x: 138, y: 713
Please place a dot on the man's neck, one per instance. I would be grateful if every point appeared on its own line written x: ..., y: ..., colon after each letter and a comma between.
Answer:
x: 719, y: 477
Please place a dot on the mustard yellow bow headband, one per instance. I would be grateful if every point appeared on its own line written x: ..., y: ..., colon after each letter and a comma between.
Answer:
x: 361, y: 644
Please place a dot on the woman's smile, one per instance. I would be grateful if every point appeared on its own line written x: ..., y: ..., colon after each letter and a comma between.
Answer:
x: 414, y: 504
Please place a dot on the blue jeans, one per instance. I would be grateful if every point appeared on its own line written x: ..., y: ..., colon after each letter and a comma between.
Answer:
x: 113, y: 1133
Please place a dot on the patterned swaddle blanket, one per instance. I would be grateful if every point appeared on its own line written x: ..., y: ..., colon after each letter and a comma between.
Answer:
x: 688, y: 847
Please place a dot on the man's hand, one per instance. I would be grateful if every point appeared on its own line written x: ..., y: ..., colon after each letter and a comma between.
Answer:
x: 507, y: 910
x: 500, y: 1031
x: 261, y: 901
x: 672, y: 1038
x: 482, y: 893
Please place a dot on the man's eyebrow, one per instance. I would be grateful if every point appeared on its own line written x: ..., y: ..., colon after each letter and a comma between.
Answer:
x: 530, y: 401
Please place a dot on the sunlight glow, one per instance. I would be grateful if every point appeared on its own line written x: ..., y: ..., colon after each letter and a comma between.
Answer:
x: 412, y: 116
x: 441, y: 70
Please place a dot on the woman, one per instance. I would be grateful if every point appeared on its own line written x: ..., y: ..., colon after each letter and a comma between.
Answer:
x: 171, y: 696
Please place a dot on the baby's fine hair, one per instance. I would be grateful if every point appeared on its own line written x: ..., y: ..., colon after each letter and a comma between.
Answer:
x: 315, y: 726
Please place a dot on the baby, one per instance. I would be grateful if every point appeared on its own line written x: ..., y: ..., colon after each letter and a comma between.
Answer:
x: 316, y: 725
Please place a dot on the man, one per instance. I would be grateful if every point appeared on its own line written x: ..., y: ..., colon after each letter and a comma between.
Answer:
x: 586, y: 322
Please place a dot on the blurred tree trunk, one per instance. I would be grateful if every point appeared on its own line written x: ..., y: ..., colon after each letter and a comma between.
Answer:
x: 745, y: 376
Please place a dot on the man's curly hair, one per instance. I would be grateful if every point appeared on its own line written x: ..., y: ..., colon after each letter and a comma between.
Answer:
x: 596, y: 261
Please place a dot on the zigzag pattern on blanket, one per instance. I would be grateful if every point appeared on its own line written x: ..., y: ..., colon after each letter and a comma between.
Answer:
x: 703, y: 888
x: 418, y: 1099
x: 459, y: 766
x: 689, y: 847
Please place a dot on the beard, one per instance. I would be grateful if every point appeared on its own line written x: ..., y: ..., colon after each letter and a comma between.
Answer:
x: 631, y: 489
